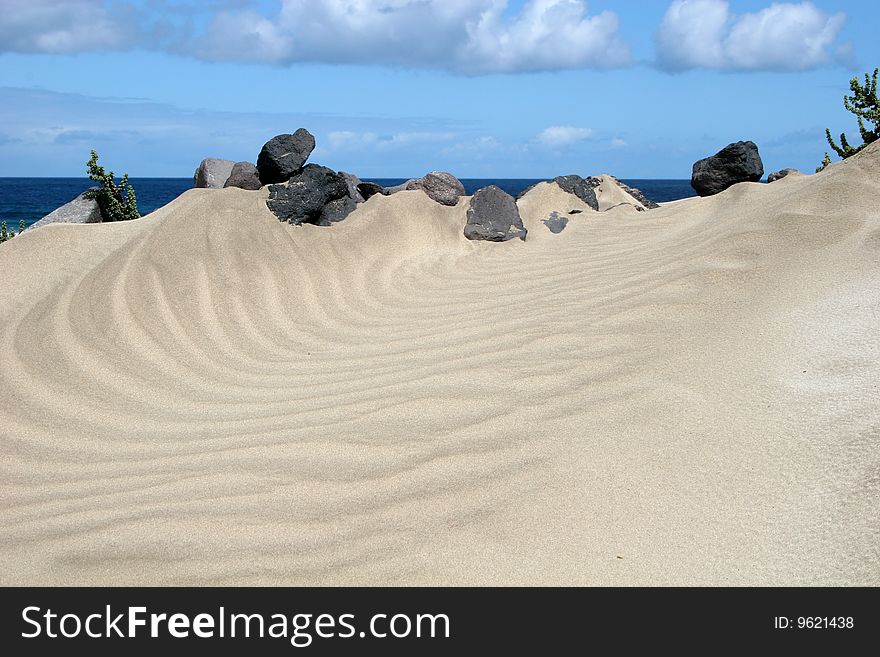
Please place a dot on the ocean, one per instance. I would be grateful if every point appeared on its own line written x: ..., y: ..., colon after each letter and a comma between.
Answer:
x: 32, y: 199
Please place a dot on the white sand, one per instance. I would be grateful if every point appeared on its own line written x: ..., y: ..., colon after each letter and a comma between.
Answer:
x: 689, y: 395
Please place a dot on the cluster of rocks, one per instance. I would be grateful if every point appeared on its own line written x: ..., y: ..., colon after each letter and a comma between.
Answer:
x: 301, y: 193
x: 494, y: 214
x: 214, y: 173
x: 735, y: 163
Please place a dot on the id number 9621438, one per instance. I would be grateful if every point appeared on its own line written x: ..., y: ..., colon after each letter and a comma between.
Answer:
x: 814, y: 623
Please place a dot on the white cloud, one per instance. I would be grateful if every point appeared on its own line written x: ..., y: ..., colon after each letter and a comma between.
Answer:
x: 475, y: 149
x: 617, y: 142
x: 464, y: 36
x: 62, y: 26
x: 563, y: 135
x: 470, y: 37
x: 346, y: 140
x: 781, y: 37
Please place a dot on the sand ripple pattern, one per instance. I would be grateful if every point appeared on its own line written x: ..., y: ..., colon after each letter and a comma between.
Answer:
x: 207, y: 396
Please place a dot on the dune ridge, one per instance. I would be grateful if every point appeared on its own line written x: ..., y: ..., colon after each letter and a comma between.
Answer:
x: 681, y: 396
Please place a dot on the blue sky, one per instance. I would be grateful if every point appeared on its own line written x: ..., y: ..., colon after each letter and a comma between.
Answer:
x: 396, y: 88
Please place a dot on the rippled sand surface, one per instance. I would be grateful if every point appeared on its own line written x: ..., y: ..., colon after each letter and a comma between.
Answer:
x: 689, y: 395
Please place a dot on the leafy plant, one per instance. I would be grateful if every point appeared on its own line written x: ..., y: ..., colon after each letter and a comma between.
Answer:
x: 117, y: 202
x: 7, y: 233
x: 865, y: 105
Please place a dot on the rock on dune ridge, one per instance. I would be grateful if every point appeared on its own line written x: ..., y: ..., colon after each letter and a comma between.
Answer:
x: 681, y: 396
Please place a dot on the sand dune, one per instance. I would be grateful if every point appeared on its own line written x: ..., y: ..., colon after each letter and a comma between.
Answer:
x: 683, y: 396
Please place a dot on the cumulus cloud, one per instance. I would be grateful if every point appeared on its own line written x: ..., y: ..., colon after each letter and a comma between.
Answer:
x: 563, y: 135
x: 470, y: 37
x: 62, y: 26
x: 464, y: 36
x: 781, y: 37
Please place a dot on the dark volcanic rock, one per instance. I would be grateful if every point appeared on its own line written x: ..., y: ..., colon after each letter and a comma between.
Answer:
x: 556, y: 222
x: 494, y: 217
x: 284, y: 155
x: 244, y: 176
x: 303, y: 198
x: 440, y: 186
x: 735, y: 163
x: 336, y: 211
x: 778, y: 175
x: 637, y: 195
x: 212, y: 173
x: 369, y: 189
x: 580, y: 187
x: 352, y: 182
x: 583, y: 188
x: 80, y: 210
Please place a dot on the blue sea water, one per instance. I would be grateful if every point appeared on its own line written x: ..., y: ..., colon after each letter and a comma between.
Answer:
x: 33, y: 198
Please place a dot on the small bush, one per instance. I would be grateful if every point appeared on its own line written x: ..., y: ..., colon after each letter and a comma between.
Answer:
x: 117, y: 202
x: 7, y: 233
x: 865, y: 105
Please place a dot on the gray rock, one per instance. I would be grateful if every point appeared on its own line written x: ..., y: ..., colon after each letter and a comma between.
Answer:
x: 303, y: 198
x: 408, y: 186
x: 778, y: 175
x: 637, y: 195
x: 494, y: 217
x: 583, y: 188
x: 368, y: 190
x: 244, y: 176
x: 80, y: 210
x: 284, y: 155
x: 212, y: 173
x: 440, y: 186
x: 735, y: 163
x: 336, y: 211
x: 352, y: 182
x: 556, y: 222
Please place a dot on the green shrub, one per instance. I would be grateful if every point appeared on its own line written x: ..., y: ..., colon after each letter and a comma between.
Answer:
x: 117, y: 202
x: 865, y: 105
x: 7, y: 233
